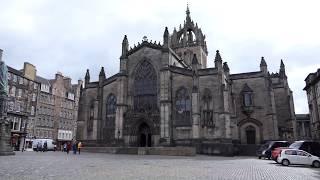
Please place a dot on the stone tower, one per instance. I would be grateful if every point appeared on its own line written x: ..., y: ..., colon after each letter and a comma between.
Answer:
x: 190, y: 40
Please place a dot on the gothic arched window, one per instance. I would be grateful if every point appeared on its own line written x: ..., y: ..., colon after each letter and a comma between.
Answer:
x: 207, y: 109
x: 111, y: 104
x: 247, y: 94
x: 109, y: 124
x: 145, y: 88
x: 183, y: 108
x: 91, y: 117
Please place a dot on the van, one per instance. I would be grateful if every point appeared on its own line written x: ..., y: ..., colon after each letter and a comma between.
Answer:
x: 51, y: 145
x: 311, y: 147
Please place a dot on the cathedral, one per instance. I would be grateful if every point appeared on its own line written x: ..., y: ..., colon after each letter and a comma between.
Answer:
x: 165, y: 95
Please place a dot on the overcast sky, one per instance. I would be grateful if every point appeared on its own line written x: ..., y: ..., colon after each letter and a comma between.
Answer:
x: 71, y: 36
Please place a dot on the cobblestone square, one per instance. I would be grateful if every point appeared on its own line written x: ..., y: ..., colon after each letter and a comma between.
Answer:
x: 59, y: 165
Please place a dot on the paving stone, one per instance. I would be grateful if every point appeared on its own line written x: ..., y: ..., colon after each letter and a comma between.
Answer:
x: 96, y: 166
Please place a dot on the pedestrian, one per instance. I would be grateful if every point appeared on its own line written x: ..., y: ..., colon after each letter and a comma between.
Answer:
x: 74, y: 147
x: 64, y: 147
x: 68, y: 147
x: 79, y: 146
x: 38, y: 146
x: 45, y: 146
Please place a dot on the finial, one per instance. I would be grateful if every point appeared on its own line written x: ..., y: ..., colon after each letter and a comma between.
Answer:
x: 102, y: 73
x: 281, y: 64
x: 144, y: 39
x: 218, y: 57
x: 263, y: 62
x: 188, y: 11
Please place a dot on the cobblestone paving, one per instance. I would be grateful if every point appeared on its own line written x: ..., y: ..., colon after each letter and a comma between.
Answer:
x: 58, y: 165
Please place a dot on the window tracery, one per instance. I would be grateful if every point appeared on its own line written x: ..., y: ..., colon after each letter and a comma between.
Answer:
x: 145, y: 88
x: 183, y: 108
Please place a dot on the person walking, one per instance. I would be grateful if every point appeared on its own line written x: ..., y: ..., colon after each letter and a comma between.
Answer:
x: 45, y: 146
x: 74, y: 147
x: 68, y: 147
x: 79, y: 146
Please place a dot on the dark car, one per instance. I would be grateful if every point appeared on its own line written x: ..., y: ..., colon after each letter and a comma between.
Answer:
x: 266, y: 149
x: 311, y: 147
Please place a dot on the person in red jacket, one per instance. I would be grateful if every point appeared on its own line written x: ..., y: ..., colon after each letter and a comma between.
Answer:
x: 68, y: 147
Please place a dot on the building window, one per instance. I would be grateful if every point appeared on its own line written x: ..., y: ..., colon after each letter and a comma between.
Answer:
x: 33, y: 97
x: 19, y: 92
x: 20, y: 80
x: 247, y: 97
x: 183, y: 108
x: 13, y: 91
x: 91, y: 117
x: 14, y: 78
x: 15, y: 124
x: 207, y: 109
x: 32, y: 110
x: 145, y: 88
x: 111, y: 104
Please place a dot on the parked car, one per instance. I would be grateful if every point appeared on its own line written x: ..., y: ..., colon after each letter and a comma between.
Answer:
x: 266, y: 149
x: 311, y: 147
x: 295, y: 156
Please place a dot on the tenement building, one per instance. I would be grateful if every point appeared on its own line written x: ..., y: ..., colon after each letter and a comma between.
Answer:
x: 313, y: 94
x: 57, y: 108
x: 165, y: 95
x: 21, y: 104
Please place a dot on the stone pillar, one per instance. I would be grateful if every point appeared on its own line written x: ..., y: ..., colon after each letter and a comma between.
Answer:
x: 227, y: 114
x: 195, y: 115
x: 165, y: 107
x: 121, y: 105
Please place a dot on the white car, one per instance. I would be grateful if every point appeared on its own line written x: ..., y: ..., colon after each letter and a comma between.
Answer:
x: 295, y: 156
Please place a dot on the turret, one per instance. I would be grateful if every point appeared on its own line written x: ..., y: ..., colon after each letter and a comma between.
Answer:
x: 282, y: 71
x: 125, y: 46
x: 87, y: 78
x: 263, y: 66
x: 102, y: 75
x: 195, y: 63
x: 218, y: 60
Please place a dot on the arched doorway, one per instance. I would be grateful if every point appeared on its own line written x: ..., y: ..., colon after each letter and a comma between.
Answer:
x: 251, y: 135
x: 144, y: 135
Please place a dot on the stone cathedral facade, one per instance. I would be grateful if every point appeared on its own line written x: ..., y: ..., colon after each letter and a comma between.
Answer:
x: 165, y: 95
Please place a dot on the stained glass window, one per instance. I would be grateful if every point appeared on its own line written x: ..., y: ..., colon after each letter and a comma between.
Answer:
x: 145, y: 88
x: 111, y: 104
x: 183, y: 108
x: 207, y: 110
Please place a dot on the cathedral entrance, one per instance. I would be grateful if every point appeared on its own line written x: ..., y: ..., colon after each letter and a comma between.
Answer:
x: 144, y: 135
x: 251, y: 135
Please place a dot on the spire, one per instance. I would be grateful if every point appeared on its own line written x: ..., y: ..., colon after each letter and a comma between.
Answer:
x: 188, y: 19
x: 282, y: 71
x: 125, y: 46
x: 263, y: 66
x: 194, y: 60
x: 166, y: 38
x: 263, y: 62
x: 102, y: 73
x: 218, y: 57
x: 282, y: 65
x: 87, y: 77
